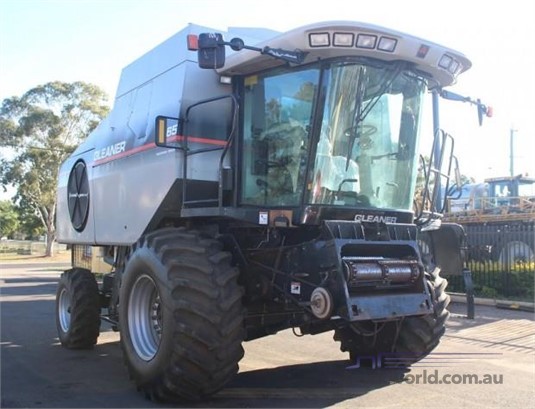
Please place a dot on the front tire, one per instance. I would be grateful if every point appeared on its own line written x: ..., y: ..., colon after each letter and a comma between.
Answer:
x: 77, y: 309
x: 421, y: 334
x: 417, y: 337
x: 181, y: 315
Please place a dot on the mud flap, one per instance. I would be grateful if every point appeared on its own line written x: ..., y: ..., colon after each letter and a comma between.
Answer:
x: 446, y: 248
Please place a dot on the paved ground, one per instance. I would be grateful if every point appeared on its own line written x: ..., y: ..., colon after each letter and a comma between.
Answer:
x: 278, y: 371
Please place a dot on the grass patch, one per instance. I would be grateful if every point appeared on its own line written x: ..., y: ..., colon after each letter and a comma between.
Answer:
x: 14, y: 258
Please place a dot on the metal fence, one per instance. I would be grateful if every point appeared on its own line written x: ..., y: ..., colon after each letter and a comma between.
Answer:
x: 502, y: 260
x: 25, y: 247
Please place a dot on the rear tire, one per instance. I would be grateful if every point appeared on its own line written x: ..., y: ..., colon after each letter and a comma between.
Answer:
x: 181, y: 315
x: 418, y: 335
x: 77, y: 309
x: 513, y: 252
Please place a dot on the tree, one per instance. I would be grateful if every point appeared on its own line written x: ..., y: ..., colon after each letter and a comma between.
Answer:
x: 9, y: 219
x: 41, y: 129
x: 31, y: 226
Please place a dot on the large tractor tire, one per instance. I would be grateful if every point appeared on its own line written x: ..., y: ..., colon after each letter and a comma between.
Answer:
x: 514, y: 252
x: 180, y: 315
x: 416, y: 338
x: 78, y: 309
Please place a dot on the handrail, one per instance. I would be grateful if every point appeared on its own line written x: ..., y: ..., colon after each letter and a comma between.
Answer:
x: 225, y: 148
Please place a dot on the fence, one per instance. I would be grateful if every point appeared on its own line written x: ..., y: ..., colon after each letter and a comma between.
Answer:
x: 502, y: 260
x: 26, y: 247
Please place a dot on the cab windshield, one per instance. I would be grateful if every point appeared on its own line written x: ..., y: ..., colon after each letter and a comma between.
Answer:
x: 365, y: 151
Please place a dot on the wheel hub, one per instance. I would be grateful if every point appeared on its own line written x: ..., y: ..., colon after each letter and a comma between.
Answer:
x: 145, y: 317
x: 64, y: 310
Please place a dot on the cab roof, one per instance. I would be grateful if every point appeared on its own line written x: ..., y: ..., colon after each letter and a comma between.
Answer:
x: 348, y: 38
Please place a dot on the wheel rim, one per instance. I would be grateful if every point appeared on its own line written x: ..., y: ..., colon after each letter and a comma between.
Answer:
x: 64, y: 310
x: 145, y: 317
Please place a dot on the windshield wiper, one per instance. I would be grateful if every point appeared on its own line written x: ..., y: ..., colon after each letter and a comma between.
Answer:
x: 358, y: 110
x: 387, y: 82
x: 362, y: 113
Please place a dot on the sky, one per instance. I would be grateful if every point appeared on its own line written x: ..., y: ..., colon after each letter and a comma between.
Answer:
x: 92, y: 40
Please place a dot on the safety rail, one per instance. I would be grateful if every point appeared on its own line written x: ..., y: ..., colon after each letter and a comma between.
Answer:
x: 225, y: 148
x: 436, y: 173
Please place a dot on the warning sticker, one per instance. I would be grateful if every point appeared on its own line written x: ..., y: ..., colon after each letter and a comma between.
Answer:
x: 295, y: 287
x: 263, y: 218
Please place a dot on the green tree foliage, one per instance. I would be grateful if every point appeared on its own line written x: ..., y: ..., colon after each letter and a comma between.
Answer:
x: 40, y: 130
x: 31, y: 226
x: 9, y: 219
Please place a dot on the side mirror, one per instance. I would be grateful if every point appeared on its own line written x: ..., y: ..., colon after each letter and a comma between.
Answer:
x: 483, y: 110
x: 210, y: 49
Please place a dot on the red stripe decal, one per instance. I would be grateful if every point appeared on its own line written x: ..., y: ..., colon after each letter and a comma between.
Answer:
x: 194, y: 139
x: 152, y: 145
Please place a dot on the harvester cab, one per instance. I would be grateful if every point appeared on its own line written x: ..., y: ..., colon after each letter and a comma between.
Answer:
x: 238, y: 194
x: 342, y: 134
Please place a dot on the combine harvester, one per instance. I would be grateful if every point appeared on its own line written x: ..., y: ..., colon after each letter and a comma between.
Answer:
x: 226, y: 199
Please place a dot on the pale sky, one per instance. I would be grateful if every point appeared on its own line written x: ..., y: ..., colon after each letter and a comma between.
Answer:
x: 92, y: 40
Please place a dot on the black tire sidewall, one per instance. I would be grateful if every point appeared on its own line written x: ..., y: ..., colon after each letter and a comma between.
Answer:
x: 145, y: 262
x: 81, y: 288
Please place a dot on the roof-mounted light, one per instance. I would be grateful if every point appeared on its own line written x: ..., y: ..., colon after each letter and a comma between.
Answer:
x: 445, y: 61
x: 387, y: 44
x: 343, y: 39
x: 366, y: 41
x: 319, y: 40
x: 454, y: 67
x: 449, y: 63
